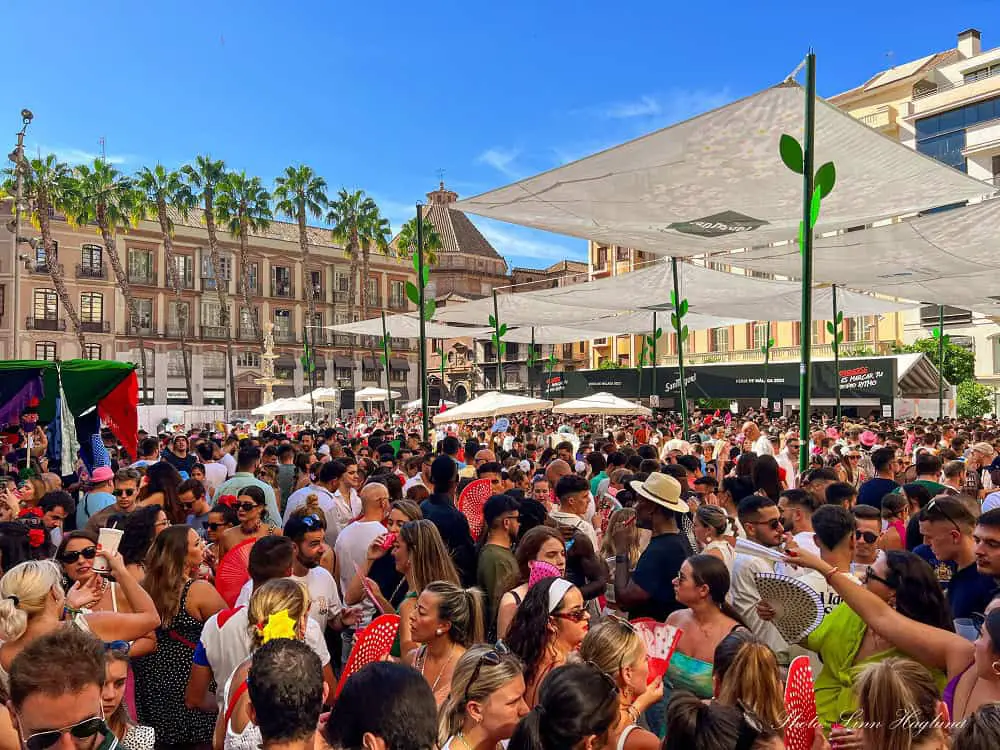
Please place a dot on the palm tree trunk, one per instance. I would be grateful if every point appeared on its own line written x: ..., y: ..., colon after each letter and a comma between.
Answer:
x: 352, y: 285
x: 220, y: 288
x: 307, y: 287
x: 244, y: 278
x: 55, y: 269
x: 175, y: 284
x: 130, y: 307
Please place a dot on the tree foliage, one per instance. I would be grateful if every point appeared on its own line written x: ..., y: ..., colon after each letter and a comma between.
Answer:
x: 959, y: 362
x: 975, y: 399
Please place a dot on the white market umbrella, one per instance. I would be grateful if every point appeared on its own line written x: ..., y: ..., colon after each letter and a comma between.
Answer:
x: 321, y: 396
x: 283, y: 406
x: 602, y: 403
x: 416, y: 404
x: 375, y: 394
x: 492, y: 404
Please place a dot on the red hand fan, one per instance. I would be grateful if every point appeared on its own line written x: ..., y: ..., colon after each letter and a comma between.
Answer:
x: 370, y: 645
x: 661, y: 641
x: 800, y: 701
x: 233, y: 571
x: 471, y: 503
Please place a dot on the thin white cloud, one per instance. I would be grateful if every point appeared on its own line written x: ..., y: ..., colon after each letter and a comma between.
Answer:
x: 644, y: 106
x: 75, y: 156
x: 500, y: 159
x: 526, y: 247
x: 674, y: 105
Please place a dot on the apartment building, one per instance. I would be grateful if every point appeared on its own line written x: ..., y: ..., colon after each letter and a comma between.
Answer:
x: 274, y: 285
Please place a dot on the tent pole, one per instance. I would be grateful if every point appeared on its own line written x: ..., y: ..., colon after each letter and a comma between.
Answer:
x: 653, y: 391
x: 496, y: 328
x: 531, y: 356
x: 940, y: 361
x: 385, y: 356
x: 680, y: 352
x: 836, y: 350
x: 805, y: 328
x: 420, y: 316
x: 767, y: 360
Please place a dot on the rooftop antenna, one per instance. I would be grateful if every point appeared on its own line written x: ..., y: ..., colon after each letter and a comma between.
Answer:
x: 104, y: 156
x: 440, y: 174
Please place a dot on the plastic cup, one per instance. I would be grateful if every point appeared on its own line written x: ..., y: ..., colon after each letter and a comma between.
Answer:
x: 108, y: 539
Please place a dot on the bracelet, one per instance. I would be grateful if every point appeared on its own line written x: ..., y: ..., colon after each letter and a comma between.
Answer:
x: 67, y: 610
x: 831, y: 573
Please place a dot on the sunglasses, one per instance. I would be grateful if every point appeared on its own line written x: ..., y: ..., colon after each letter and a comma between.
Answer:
x: 871, y: 575
x: 245, y: 507
x: 310, y: 521
x: 870, y: 537
x: 494, y: 657
x: 127, y: 493
x: 88, y: 553
x: 213, y: 526
x: 574, y: 615
x: 82, y: 730
x: 774, y: 523
x: 933, y: 505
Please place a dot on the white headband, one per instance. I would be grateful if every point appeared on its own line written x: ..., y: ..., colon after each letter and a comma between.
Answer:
x: 557, y: 591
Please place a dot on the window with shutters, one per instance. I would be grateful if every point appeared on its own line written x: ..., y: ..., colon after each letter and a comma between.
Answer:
x: 45, y: 350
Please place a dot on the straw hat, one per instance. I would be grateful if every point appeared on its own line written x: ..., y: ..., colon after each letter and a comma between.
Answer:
x: 663, y: 490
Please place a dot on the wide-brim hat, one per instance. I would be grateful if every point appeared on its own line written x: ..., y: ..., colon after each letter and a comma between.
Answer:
x: 663, y: 490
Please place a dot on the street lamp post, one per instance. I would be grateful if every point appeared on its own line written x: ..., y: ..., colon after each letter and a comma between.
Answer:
x: 19, y: 165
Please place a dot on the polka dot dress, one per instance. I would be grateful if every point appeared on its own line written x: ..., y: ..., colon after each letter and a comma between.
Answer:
x: 161, y: 680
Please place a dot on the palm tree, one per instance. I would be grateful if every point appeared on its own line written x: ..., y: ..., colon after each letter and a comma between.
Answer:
x: 204, y: 177
x: 109, y: 199
x: 48, y: 186
x: 244, y: 206
x: 406, y: 242
x: 351, y: 215
x: 162, y: 190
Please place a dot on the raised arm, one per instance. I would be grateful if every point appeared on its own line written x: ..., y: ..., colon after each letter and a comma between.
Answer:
x: 125, y: 626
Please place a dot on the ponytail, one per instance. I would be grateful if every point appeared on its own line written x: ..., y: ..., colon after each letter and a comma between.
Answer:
x: 312, y: 505
x: 893, y: 688
x: 463, y: 608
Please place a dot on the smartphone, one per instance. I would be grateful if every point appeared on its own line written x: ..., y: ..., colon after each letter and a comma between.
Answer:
x: 390, y: 539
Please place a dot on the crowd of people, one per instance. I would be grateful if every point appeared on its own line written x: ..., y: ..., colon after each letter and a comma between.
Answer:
x: 208, y: 592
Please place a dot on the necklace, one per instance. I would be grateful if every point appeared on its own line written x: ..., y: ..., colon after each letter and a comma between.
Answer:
x: 461, y: 736
x: 451, y: 655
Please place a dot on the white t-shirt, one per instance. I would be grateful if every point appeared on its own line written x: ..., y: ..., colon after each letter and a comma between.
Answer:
x: 215, y: 476
x: 791, y: 470
x: 327, y: 504
x: 325, y: 602
x: 417, y: 480
x: 352, y: 548
x: 762, y: 446
x: 227, y: 646
x: 229, y: 462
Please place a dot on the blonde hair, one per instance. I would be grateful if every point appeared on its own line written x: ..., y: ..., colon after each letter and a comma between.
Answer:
x: 491, y: 676
x: 619, y: 519
x: 25, y: 589
x: 611, y: 645
x: 429, y: 558
x: 273, y: 597
x: 754, y: 679
x: 893, y: 688
x: 463, y: 608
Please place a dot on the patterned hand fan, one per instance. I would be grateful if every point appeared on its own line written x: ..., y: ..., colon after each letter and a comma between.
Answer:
x: 471, y: 503
x: 798, y: 608
x: 800, y: 701
x: 233, y: 571
x: 370, y: 645
x: 661, y: 641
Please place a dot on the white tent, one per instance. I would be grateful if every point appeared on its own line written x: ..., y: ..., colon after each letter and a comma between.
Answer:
x: 407, y: 326
x: 321, y: 396
x: 375, y: 394
x: 491, y: 404
x: 283, y: 406
x: 602, y: 403
x: 416, y: 404
x: 716, y: 182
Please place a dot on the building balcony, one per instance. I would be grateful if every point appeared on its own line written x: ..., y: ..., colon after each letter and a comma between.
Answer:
x: 134, y: 330
x: 175, y: 330
x: 883, y: 118
x: 342, y: 339
x: 374, y: 300
x: 283, y: 289
x: 208, y: 283
x: 948, y: 95
x: 248, y: 335
x: 46, y: 324
x: 91, y: 272
x: 217, y: 333
x: 142, y: 277
x: 95, y: 326
x: 399, y: 345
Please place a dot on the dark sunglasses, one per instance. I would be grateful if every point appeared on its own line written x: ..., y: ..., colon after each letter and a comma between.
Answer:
x: 574, y: 615
x: 87, y: 553
x: 871, y: 575
x: 494, y: 657
x: 245, y: 507
x: 127, y: 493
x: 774, y: 523
x: 870, y: 537
x: 82, y: 731
x: 213, y: 526
x: 935, y: 506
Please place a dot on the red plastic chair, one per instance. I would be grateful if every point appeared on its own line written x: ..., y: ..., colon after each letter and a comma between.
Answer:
x: 370, y: 645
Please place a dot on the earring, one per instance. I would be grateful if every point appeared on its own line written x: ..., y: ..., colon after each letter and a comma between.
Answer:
x: 439, y: 631
x: 996, y: 668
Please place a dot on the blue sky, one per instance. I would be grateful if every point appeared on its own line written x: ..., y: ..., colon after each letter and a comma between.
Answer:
x: 381, y: 95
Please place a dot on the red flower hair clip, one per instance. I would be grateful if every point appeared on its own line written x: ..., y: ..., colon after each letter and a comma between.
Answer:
x: 36, y: 537
x: 228, y: 500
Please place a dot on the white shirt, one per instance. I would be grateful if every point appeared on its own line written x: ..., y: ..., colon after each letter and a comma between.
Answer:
x: 229, y: 462
x: 577, y: 523
x: 762, y: 446
x: 417, y: 480
x: 745, y: 596
x: 228, y: 646
x: 327, y: 504
x: 791, y: 470
x: 325, y: 602
x: 215, y: 476
x: 352, y: 548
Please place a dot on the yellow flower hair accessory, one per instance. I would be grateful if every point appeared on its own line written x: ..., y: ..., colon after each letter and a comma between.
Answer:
x: 279, y: 625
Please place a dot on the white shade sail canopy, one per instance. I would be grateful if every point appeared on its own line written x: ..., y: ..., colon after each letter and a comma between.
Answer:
x: 407, y: 326
x: 416, y: 404
x: 321, y: 395
x: 283, y: 406
x: 716, y: 182
x: 375, y: 394
x: 602, y: 403
x: 491, y: 404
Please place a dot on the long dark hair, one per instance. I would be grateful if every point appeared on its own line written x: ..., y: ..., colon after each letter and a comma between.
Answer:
x: 708, y: 570
x: 765, y: 477
x: 528, y: 634
x: 527, y: 550
x: 575, y: 701
x: 163, y: 477
x: 165, y: 571
x: 918, y: 593
x: 139, y: 529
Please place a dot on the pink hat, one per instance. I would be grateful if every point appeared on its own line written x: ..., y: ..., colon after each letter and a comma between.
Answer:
x: 102, y: 474
x: 868, y: 438
x: 540, y: 570
x: 831, y: 432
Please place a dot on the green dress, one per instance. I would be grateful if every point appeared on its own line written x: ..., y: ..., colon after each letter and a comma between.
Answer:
x: 396, y: 652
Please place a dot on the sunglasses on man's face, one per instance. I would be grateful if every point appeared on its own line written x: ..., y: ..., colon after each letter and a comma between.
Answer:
x: 128, y: 492
x: 87, y: 553
x: 213, y: 525
x: 774, y: 523
x: 870, y: 537
x: 82, y: 730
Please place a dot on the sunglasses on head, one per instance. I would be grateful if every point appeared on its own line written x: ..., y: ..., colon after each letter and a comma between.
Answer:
x: 213, y: 525
x: 82, y: 730
x: 870, y: 537
x: 119, y: 646
x: 245, y: 507
x: 934, y: 506
x: 310, y: 521
x: 126, y: 492
x: 87, y: 553
x: 574, y: 615
x: 494, y: 657
x: 871, y: 575
x: 751, y: 728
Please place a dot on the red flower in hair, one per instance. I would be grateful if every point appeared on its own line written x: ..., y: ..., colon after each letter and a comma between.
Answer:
x: 36, y: 512
x: 36, y: 537
x: 229, y: 500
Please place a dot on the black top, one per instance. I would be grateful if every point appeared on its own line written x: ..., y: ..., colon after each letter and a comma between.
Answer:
x: 658, y: 565
x: 185, y: 464
x: 454, y: 527
x: 872, y: 491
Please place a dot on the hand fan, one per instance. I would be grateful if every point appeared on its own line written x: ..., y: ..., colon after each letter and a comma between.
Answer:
x: 471, y: 501
x: 370, y: 645
x: 661, y: 641
x: 797, y: 605
x: 800, y: 702
x: 233, y: 571
x: 368, y: 589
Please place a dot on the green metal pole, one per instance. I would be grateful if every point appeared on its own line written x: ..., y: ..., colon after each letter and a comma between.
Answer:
x: 496, y: 328
x: 420, y: 315
x: 805, y: 366
x: 680, y: 352
x: 836, y: 350
x: 653, y: 391
x: 767, y: 358
x: 940, y: 361
x: 385, y: 355
x: 531, y: 356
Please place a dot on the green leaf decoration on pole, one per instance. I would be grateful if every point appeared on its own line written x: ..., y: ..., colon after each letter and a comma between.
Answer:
x: 499, y: 331
x: 551, y: 362
x: 825, y: 180
x: 413, y: 291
